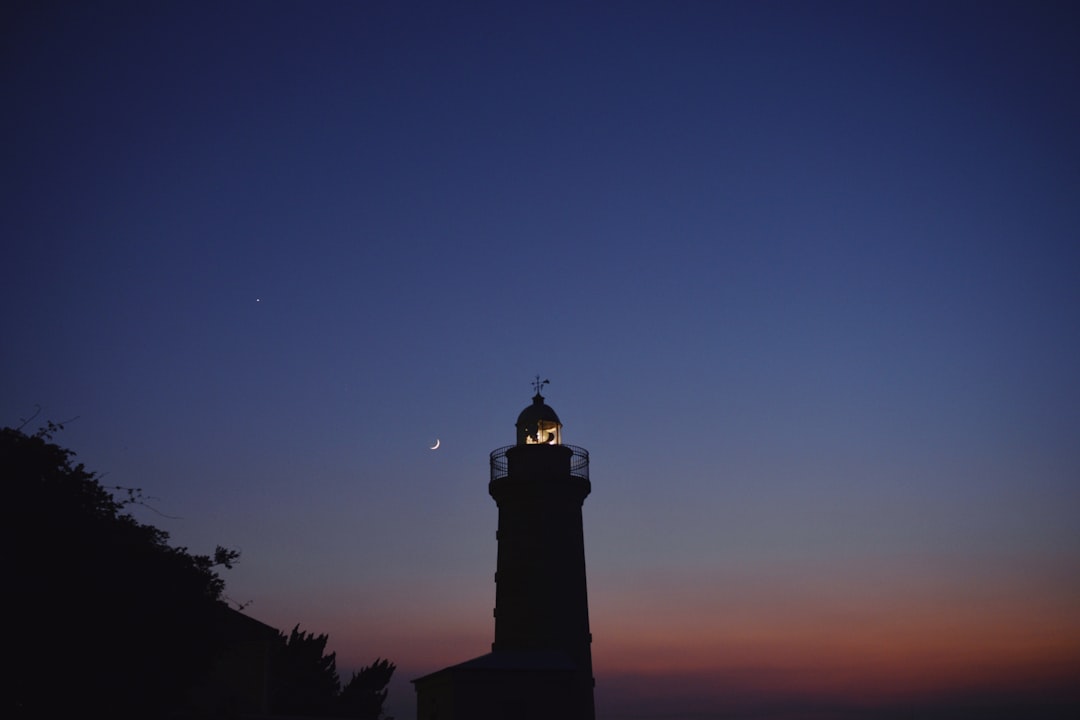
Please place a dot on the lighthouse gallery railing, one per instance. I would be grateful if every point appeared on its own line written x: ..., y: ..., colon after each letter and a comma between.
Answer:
x: 579, y: 462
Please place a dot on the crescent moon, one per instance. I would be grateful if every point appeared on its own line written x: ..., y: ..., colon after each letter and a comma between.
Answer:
x: 435, y: 446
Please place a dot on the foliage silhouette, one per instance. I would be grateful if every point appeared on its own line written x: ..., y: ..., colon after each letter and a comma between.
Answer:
x: 305, y: 679
x: 98, y: 592
x: 141, y: 624
x: 365, y: 693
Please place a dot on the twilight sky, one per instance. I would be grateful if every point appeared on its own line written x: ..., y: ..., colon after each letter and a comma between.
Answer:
x: 805, y: 278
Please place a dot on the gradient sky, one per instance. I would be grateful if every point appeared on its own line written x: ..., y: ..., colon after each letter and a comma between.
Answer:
x: 805, y: 278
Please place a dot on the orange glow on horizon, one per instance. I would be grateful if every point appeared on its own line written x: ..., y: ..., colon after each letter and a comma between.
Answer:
x: 851, y: 640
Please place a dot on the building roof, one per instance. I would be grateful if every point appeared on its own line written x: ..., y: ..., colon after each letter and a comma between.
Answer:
x: 512, y: 660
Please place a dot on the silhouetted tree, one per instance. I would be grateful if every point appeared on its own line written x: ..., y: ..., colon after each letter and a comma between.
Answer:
x: 363, y: 696
x: 305, y: 679
x: 106, y: 618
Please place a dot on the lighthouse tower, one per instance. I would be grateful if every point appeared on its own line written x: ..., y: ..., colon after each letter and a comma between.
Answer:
x: 541, y: 602
x: 540, y: 665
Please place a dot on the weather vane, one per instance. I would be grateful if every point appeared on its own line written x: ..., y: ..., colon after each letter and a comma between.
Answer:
x: 538, y: 383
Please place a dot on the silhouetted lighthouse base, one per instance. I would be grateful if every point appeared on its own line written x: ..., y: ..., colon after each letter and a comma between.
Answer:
x: 540, y: 665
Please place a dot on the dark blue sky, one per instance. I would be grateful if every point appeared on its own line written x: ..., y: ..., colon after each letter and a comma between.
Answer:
x: 805, y: 278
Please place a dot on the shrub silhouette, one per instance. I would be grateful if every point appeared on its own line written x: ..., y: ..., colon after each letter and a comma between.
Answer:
x: 111, y: 620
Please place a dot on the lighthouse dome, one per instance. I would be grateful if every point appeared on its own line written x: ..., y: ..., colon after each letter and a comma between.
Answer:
x: 538, y: 424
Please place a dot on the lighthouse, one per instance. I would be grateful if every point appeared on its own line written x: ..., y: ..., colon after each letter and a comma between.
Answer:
x: 540, y: 665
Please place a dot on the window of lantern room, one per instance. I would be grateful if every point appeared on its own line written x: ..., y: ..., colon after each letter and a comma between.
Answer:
x: 546, y: 433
